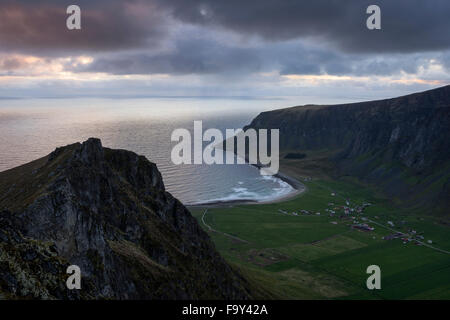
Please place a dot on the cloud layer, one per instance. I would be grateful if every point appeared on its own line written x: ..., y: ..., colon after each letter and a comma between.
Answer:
x: 39, y: 27
x: 407, y: 25
x: 222, y: 46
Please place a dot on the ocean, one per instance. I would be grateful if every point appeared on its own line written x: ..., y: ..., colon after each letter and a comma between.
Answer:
x: 32, y: 128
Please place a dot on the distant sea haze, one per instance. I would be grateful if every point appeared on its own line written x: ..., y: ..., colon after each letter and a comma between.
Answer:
x: 30, y: 129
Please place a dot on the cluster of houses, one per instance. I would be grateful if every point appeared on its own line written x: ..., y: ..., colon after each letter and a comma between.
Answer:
x: 346, y: 210
x: 349, y: 213
x: 406, y: 238
x: 411, y: 236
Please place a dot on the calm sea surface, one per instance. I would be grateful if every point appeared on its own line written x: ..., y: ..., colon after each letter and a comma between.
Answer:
x: 32, y: 128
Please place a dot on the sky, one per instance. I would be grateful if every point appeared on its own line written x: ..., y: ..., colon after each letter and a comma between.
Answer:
x: 223, y: 48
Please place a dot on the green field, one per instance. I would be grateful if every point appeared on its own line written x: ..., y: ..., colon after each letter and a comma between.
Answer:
x: 309, y: 257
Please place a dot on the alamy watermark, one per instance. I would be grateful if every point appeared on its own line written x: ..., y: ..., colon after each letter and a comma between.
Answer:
x: 73, y: 22
x: 374, y: 20
x: 243, y: 147
x: 374, y: 280
x: 73, y: 282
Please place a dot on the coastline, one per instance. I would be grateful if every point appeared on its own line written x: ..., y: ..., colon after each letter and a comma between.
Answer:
x: 297, y: 186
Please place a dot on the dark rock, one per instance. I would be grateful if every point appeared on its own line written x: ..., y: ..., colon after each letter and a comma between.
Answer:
x: 29, y: 255
x: 107, y: 212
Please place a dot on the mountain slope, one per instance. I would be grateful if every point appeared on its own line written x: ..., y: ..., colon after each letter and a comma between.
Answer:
x: 401, y: 145
x: 106, y: 211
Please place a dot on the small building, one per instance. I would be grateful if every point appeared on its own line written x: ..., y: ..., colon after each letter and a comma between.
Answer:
x: 363, y: 227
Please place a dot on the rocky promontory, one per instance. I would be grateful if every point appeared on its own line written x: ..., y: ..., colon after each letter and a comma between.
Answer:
x: 106, y: 211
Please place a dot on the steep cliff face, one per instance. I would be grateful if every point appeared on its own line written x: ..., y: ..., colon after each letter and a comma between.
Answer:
x: 400, y: 144
x: 107, y: 212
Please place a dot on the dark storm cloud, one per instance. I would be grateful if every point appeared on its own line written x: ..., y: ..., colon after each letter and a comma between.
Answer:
x: 299, y: 37
x: 189, y: 57
x: 202, y: 56
x: 40, y: 26
x: 300, y: 59
x: 325, y: 61
x: 407, y: 25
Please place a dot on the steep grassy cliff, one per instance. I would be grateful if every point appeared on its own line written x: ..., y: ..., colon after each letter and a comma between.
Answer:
x: 401, y: 145
x: 106, y: 211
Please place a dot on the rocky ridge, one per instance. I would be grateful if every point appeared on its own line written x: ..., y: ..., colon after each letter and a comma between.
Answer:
x: 107, y: 212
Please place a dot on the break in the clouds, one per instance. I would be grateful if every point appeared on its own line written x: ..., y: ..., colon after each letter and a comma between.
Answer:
x: 219, y: 46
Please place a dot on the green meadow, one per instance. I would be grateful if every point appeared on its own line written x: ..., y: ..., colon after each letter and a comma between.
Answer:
x: 311, y: 256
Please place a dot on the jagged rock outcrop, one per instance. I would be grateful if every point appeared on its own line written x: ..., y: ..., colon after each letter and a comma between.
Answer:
x: 401, y: 145
x: 107, y: 212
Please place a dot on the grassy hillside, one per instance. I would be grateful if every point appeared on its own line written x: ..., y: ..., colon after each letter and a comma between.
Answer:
x: 393, y: 154
x: 310, y: 256
x: 399, y: 145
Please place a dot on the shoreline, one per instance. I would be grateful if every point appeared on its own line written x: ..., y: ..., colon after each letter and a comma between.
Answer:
x: 298, y: 188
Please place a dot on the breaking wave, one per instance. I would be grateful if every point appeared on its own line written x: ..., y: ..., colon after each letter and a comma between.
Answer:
x: 260, y: 189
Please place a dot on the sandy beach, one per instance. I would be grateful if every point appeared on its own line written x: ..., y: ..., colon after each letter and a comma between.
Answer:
x: 297, y: 186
